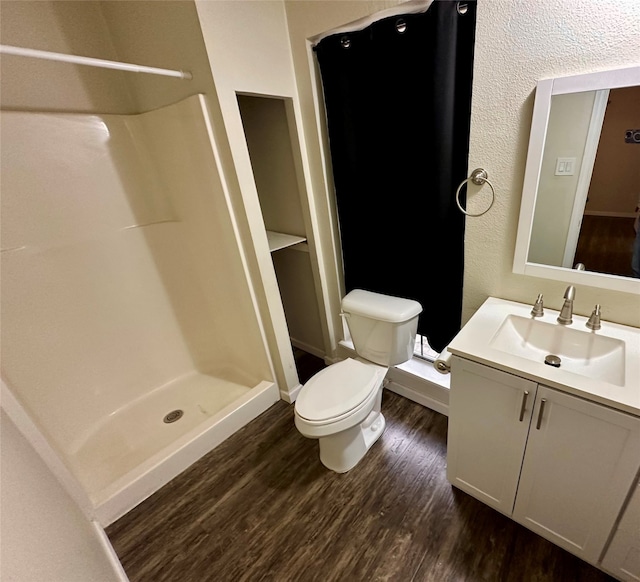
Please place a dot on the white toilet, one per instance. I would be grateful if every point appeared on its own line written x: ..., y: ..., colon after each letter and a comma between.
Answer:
x: 340, y: 405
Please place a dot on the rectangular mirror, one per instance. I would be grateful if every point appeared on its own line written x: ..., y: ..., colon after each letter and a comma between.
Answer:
x: 582, y: 181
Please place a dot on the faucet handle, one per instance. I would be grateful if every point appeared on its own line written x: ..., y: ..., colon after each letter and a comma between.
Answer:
x: 594, y: 320
x: 570, y: 293
x: 538, y: 308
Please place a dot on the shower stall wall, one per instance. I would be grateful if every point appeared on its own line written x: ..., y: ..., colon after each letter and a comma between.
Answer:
x: 129, y: 329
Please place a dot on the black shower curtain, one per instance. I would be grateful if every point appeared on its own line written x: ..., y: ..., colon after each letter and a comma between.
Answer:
x: 398, y: 104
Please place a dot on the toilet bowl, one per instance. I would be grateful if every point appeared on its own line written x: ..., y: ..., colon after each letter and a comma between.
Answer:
x: 341, y: 405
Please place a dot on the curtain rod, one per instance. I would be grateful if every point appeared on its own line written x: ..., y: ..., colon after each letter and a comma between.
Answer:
x: 50, y: 56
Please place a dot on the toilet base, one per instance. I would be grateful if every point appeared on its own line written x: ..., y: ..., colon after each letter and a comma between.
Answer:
x: 342, y: 451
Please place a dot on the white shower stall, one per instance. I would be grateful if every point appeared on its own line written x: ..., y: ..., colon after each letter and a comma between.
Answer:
x: 146, y: 314
x: 129, y: 331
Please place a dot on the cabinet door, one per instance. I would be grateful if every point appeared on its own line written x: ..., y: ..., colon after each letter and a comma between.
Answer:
x: 489, y: 415
x: 579, y: 466
x: 623, y: 556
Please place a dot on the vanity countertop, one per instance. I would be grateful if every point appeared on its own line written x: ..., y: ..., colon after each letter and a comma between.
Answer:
x: 488, y: 338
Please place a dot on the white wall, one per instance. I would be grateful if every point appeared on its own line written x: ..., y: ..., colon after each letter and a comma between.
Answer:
x: 45, y: 536
x: 517, y: 43
x: 566, y: 138
x: 249, y: 52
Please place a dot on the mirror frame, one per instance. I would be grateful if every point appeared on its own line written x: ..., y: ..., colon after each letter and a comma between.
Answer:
x: 545, y: 90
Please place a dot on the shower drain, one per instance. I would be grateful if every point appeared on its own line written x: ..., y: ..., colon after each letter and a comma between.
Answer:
x: 173, y: 416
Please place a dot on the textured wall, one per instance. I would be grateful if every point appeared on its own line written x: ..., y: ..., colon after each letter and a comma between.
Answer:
x: 517, y: 43
x: 45, y: 537
x: 569, y: 120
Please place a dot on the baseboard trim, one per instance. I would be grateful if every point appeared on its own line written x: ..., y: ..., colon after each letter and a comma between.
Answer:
x: 429, y: 402
x: 114, y: 561
x: 291, y: 395
x: 318, y: 353
x: 609, y: 214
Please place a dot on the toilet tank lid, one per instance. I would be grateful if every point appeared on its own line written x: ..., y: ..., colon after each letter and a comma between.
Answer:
x: 379, y: 306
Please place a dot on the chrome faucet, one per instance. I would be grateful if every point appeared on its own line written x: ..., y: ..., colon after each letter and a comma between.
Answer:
x: 566, y: 313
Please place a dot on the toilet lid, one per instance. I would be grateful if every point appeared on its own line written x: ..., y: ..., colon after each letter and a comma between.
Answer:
x: 336, y: 390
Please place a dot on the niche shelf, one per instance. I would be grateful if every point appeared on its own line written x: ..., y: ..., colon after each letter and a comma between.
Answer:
x: 279, y: 240
x: 273, y: 146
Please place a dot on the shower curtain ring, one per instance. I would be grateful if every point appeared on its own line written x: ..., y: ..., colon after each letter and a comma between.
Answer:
x: 478, y: 177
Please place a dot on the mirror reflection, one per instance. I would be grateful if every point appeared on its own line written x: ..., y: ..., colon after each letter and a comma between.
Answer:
x: 589, y: 185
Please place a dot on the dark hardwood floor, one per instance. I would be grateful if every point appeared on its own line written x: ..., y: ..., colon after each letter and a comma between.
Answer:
x: 261, y: 507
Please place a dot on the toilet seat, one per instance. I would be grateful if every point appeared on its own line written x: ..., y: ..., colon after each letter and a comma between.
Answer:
x: 338, y: 391
x: 350, y: 414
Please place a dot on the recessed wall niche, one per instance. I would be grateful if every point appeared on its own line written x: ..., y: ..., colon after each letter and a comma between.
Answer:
x: 272, y: 142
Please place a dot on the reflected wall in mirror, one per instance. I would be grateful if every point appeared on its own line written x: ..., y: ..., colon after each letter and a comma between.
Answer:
x: 589, y: 182
x: 582, y: 180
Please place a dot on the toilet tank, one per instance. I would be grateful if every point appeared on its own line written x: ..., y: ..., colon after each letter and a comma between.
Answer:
x: 383, y: 328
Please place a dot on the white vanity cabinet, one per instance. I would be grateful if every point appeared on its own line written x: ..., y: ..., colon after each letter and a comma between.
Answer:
x: 489, y: 417
x: 622, y: 558
x: 558, y: 464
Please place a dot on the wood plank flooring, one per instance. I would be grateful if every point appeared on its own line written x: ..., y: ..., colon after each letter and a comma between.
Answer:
x: 261, y: 507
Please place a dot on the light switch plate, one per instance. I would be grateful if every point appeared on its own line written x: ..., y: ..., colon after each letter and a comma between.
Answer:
x: 565, y: 166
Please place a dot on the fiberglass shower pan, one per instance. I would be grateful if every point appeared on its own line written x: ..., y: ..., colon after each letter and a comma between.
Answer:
x: 131, y: 345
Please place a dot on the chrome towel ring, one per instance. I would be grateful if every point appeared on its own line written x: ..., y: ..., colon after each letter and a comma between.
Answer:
x: 478, y: 177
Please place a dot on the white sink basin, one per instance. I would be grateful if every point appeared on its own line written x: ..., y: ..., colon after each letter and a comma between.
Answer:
x: 581, y: 352
x: 602, y: 365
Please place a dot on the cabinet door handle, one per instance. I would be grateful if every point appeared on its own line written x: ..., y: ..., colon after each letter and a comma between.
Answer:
x: 525, y: 395
x: 540, y: 413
